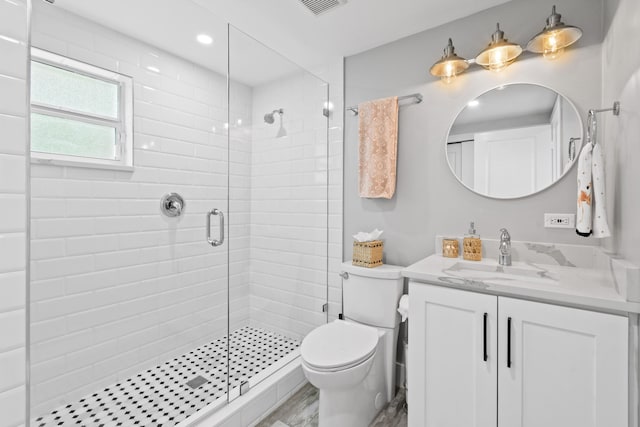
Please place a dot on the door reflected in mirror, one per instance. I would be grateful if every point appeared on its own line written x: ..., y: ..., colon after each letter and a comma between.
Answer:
x: 514, y: 140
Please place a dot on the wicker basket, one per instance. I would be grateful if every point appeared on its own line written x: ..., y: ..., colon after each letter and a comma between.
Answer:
x: 368, y: 254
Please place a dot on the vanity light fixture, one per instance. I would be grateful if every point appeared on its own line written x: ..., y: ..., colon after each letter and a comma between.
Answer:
x: 500, y: 53
x: 450, y: 65
x: 555, y: 36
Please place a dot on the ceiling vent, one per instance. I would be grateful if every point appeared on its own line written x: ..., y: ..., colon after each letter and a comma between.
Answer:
x: 320, y: 6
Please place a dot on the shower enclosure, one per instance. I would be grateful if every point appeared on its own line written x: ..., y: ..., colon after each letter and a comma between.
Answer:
x: 154, y: 310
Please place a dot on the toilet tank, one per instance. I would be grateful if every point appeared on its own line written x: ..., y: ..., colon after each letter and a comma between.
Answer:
x: 371, y: 295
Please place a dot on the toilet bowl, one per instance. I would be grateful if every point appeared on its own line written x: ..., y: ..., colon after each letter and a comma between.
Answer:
x: 352, y: 361
x: 345, y: 361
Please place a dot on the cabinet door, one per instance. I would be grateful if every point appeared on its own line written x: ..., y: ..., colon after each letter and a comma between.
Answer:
x: 451, y: 384
x: 568, y: 367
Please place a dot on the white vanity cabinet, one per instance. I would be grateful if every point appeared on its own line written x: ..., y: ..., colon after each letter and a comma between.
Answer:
x: 484, y: 360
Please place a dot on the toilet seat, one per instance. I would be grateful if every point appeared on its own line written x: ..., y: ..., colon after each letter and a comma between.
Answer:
x: 338, y: 345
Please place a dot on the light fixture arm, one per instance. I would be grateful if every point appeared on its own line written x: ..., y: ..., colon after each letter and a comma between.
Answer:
x: 449, y: 50
x: 498, y: 35
x: 554, y: 20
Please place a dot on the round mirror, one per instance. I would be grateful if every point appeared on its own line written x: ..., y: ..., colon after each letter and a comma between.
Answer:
x: 514, y: 140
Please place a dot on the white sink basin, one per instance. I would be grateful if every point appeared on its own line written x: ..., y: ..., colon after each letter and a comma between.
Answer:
x: 488, y: 270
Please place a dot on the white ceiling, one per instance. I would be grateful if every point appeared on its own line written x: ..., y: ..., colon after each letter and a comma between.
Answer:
x: 285, y: 25
x: 354, y: 27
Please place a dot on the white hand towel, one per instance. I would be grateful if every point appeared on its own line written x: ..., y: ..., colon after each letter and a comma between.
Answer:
x: 600, y: 223
x: 584, y: 215
x: 591, y: 215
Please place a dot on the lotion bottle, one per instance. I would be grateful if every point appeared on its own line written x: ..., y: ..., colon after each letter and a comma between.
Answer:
x: 472, y: 245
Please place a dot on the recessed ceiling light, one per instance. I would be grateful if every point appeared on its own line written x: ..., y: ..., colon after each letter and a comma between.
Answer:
x: 204, y: 39
x: 473, y: 103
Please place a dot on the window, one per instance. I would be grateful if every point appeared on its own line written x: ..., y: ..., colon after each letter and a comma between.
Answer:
x: 80, y: 114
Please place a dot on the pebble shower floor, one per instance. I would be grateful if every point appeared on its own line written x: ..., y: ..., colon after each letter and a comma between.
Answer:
x: 160, y: 396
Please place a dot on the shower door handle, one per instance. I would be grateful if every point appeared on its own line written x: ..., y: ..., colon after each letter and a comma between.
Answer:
x: 214, y: 242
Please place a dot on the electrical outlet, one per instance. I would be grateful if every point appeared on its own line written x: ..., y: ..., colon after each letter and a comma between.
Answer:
x: 559, y: 220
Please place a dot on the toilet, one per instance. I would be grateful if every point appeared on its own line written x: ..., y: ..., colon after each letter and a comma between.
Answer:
x: 352, y: 361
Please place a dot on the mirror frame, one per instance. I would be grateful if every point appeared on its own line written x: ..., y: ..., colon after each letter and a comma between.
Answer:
x: 560, y: 178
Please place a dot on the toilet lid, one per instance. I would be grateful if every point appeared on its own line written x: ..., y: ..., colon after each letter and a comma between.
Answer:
x: 338, y: 344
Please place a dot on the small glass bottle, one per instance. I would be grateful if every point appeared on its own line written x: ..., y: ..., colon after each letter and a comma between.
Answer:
x: 472, y: 245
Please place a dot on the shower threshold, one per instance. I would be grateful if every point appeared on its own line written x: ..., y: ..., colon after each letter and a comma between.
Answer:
x: 170, y: 393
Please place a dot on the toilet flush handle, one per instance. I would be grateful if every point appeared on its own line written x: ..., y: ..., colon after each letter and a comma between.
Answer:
x: 344, y: 275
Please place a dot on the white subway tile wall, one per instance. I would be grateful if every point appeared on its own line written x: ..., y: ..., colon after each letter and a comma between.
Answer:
x: 13, y: 76
x: 116, y: 286
x: 289, y: 206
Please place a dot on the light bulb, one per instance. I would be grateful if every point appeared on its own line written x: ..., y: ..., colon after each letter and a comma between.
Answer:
x: 497, y: 61
x: 552, y: 45
x: 449, y: 73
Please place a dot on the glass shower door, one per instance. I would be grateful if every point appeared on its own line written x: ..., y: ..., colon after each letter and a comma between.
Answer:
x: 278, y: 208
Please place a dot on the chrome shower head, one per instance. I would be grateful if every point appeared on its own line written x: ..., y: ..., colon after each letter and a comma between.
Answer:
x: 269, y: 117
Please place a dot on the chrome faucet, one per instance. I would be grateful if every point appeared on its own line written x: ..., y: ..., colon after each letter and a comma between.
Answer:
x: 505, y: 248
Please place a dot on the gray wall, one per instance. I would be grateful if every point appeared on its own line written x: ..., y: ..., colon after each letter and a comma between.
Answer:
x: 429, y: 200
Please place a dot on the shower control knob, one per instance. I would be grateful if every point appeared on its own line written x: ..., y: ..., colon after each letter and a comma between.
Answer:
x: 172, y: 205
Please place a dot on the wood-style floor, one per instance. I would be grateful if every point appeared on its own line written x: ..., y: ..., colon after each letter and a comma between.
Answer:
x: 301, y: 410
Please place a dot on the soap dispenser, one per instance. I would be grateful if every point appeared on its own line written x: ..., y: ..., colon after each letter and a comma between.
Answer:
x: 472, y: 245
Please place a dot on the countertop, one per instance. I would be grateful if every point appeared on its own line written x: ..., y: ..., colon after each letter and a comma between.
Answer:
x: 566, y: 285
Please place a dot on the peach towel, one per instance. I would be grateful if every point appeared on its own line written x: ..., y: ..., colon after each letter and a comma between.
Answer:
x: 378, y: 147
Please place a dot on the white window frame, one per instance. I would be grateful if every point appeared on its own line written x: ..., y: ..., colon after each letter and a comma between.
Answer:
x: 123, y: 124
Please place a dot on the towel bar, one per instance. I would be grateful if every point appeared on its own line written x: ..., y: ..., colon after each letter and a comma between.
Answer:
x: 416, y: 96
